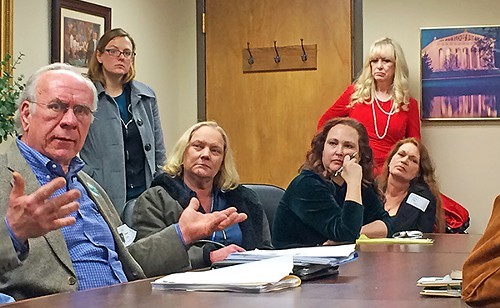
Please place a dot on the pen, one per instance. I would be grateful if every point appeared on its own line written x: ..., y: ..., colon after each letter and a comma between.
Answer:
x: 342, y: 167
x: 11, y: 170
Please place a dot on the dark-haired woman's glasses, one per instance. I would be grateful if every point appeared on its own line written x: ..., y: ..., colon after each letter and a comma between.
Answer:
x: 127, y: 53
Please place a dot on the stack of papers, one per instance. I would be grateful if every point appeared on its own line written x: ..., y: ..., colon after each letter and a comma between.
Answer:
x: 323, y: 255
x: 449, y: 285
x: 255, y: 277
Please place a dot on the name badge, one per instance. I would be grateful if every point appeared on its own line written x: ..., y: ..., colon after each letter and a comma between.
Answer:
x: 127, y: 234
x: 418, y: 201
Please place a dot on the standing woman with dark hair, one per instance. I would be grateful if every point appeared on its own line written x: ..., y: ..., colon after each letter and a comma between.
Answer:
x: 333, y: 198
x: 124, y: 148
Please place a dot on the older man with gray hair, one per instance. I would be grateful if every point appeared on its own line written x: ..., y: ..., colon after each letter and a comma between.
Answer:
x: 59, y: 231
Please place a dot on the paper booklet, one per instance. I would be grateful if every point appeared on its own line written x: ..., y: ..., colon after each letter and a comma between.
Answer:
x: 254, y: 277
x: 449, y: 285
x: 324, y: 255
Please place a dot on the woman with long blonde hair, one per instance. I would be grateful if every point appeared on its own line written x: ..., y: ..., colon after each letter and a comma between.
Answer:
x: 202, y: 167
x: 380, y: 100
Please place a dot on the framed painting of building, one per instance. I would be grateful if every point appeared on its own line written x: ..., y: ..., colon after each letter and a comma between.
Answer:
x: 460, y: 73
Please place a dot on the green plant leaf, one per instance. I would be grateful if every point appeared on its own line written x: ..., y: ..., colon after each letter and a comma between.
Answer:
x: 10, y: 90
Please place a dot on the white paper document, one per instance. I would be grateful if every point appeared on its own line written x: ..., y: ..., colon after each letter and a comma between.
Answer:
x: 438, y: 281
x: 261, y: 276
x: 326, y: 255
x: 442, y: 286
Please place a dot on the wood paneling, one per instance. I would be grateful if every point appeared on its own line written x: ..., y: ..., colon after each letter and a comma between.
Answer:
x: 271, y: 117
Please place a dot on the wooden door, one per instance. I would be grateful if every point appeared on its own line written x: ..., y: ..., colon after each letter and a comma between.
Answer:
x: 271, y: 117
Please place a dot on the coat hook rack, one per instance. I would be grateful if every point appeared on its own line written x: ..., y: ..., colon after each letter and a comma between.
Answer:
x: 250, y: 58
x: 285, y: 58
x: 277, y: 59
x: 304, y: 53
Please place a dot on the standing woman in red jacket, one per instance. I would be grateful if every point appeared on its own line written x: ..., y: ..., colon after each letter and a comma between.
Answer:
x: 380, y: 100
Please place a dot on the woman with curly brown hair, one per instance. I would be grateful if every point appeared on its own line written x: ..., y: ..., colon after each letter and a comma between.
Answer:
x: 410, y: 188
x: 333, y: 198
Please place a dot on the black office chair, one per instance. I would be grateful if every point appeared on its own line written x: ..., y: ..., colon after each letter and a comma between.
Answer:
x: 128, y: 212
x: 269, y: 196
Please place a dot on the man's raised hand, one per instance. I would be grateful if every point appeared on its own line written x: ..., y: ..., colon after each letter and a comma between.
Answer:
x: 34, y: 215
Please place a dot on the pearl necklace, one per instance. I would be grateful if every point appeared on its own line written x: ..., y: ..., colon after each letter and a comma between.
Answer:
x: 389, y: 114
x: 382, y: 100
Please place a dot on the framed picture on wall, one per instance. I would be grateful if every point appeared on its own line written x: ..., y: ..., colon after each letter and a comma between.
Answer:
x: 76, y: 28
x: 460, y: 71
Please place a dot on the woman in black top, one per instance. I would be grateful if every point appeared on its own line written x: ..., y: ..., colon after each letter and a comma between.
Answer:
x: 325, y: 203
x: 410, y: 188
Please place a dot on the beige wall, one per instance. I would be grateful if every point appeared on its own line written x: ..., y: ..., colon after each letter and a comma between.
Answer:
x: 465, y: 154
x: 165, y: 34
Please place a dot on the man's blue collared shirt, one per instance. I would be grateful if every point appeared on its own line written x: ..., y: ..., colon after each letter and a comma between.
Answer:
x: 90, y: 241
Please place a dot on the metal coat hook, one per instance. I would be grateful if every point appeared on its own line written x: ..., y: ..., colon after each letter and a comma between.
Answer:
x: 250, y: 58
x: 304, y: 53
x: 277, y: 59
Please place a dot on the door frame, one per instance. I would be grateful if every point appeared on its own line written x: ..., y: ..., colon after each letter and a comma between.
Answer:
x: 201, y: 61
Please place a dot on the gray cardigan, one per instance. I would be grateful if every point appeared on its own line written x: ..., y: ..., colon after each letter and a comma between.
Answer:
x: 47, y: 268
x: 103, y: 151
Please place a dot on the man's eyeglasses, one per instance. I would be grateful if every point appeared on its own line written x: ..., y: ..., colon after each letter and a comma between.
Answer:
x: 127, y: 53
x: 58, y: 108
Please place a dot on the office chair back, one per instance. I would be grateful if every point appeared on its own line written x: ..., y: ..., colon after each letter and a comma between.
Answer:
x: 128, y: 212
x: 269, y: 196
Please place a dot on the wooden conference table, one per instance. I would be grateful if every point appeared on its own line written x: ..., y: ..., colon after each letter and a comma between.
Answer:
x: 382, y: 276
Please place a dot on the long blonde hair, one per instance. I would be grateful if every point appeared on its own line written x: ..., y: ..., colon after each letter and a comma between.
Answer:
x: 226, y: 179
x: 364, y: 86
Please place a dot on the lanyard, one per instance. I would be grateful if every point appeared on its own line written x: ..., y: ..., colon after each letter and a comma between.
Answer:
x: 224, y: 236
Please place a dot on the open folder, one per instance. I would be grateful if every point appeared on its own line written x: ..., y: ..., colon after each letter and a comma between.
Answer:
x: 254, y: 277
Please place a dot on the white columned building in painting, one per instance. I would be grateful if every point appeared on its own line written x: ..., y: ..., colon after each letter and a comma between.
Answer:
x: 458, y: 52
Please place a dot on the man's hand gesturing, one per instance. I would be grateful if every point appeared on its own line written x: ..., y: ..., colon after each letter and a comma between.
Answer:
x: 34, y: 215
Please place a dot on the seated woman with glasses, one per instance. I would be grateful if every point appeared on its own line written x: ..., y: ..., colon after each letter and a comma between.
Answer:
x: 333, y: 199
x: 124, y: 148
x: 411, y: 192
x: 202, y: 167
